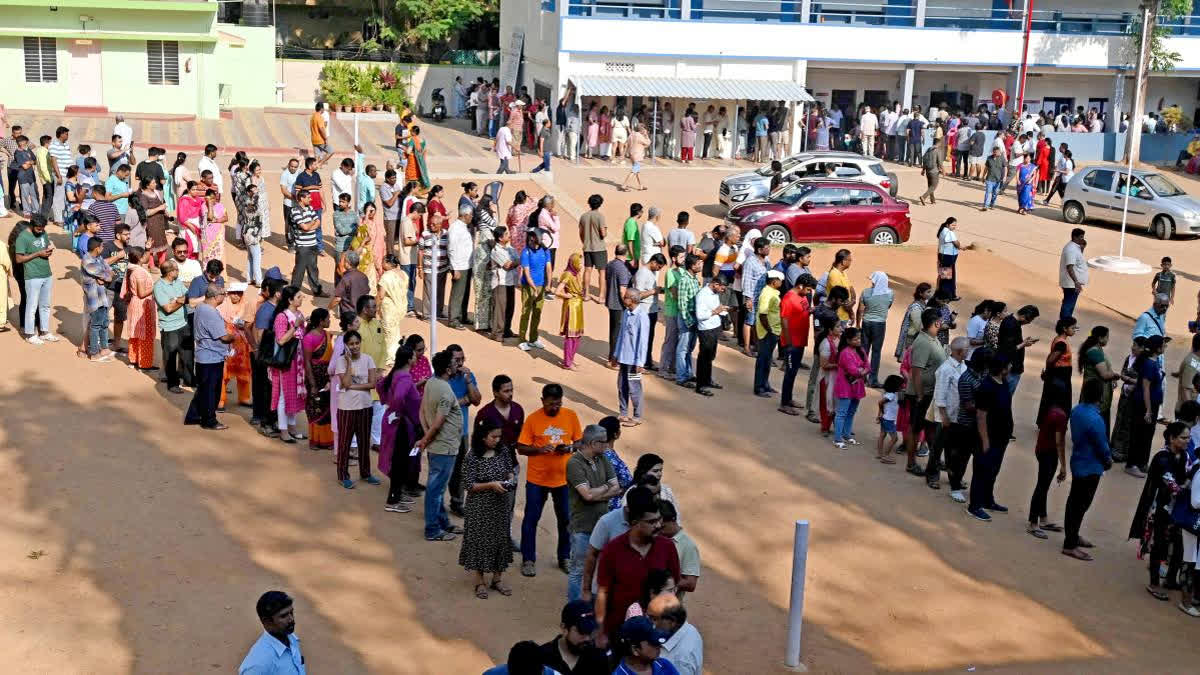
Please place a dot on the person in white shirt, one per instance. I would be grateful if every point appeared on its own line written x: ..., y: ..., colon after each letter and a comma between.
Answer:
x: 287, y: 185
x: 709, y: 311
x: 343, y: 181
x: 1064, y: 171
x: 888, y: 122
x: 209, y: 162
x: 1072, y: 272
x: 122, y: 129
x: 684, y: 647
x: 459, y: 247
x: 652, y: 236
x: 505, y: 267
x: 944, y: 410
x: 868, y: 125
x: 976, y: 326
x: 1029, y: 125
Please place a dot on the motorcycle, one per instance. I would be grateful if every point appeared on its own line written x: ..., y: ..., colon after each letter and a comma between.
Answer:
x: 438, y: 111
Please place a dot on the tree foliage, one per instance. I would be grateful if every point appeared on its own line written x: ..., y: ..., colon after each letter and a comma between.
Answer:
x: 422, y: 23
x: 1162, y: 58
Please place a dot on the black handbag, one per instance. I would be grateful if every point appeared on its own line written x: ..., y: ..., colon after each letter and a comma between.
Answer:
x: 275, y: 355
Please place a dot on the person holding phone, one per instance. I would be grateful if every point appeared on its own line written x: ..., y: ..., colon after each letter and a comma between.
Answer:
x: 548, y: 437
x: 1012, y: 343
x: 489, y: 474
x: 33, y: 250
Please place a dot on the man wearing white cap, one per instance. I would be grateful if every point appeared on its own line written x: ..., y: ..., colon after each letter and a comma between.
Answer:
x: 768, y: 326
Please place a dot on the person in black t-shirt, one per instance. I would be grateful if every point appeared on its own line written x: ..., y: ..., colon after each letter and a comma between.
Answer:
x: 994, y: 424
x: 1011, y: 343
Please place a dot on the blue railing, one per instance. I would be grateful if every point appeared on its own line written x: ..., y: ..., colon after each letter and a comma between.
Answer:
x: 1071, y: 20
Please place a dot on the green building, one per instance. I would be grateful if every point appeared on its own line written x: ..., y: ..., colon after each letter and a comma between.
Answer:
x: 132, y: 56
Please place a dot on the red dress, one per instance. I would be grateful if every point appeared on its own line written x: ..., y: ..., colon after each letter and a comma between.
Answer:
x: 1043, y: 160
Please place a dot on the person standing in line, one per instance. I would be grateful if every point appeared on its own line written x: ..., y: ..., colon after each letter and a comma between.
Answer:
x: 670, y: 312
x: 278, y: 618
x: 571, y: 291
x: 709, y: 312
x: 686, y: 288
x: 948, y: 250
x: 993, y: 176
x: 442, y: 419
x: 868, y: 126
x: 1064, y: 171
x: 944, y: 410
x: 504, y: 270
x: 825, y: 317
x: 592, y: 482
x: 768, y: 326
x: 1146, y: 402
x: 754, y: 268
x: 1090, y: 458
x: 1051, y: 453
x: 543, y: 146
x: 592, y: 231
x: 645, y: 284
x: 926, y: 357
x: 1152, y: 526
x: 618, y: 275
x: 548, y: 437
x: 1012, y: 343
x: 489, y: 475
x: 536, y: 271
x: 1163, y: 281
x: 626, y: 562
x: 287, y: 185
x: 848, y: 388
x: 212, y: 342
x: 357, y: 374
x: 795, y: 311
x: 170, y: 295
x: 459, y: 249
x: 994, y: 425
x: 26, y: 179
x: 631, y: 353
x: 33, y: 249
x: 305, y: 229
x: 96, y: 275
x: 874, y: 304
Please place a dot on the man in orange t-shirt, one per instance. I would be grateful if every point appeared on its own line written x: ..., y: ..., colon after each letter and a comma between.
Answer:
x: 320, y: 134
x: 548, y: 439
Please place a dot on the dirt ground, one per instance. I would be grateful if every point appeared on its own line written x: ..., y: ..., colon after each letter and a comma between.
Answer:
x: 133, y: 544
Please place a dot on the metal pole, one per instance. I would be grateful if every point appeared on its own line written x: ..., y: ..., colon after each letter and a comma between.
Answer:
x: 737, y: 137
x: 357, y: 171
x: 1135, y: 126
x: 433, y: 294
x: 654, y: 128
x: 1024, y: 58
x: 796, y: 609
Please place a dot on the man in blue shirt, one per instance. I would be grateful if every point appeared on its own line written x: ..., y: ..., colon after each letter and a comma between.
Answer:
x: 212, y: 348
x: 1145, y: 403
x: 535, y: 274
x: 263, y: 417
x: 1090, y: 458
x: 463, y: 384
x: 277, y: 650
x: 525, y: 658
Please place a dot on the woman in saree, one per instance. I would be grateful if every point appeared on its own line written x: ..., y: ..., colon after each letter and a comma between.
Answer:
x: 1056, y: 378
x: 393, y: 304
x: 485, y: 240
x: 1026, y: 182
x: 421, y: 369
x: 570, y: 289
x: 371, y: 243
x: 414, y: 149
x: 287, y: 384
x: 237, y: 365
x: 401, y: 420
x: 141, y: 317
x: 1121, y: 438
x: 318, y: 350
x: 212, y: 237
x: 190, y: 216
x: 605, y: 133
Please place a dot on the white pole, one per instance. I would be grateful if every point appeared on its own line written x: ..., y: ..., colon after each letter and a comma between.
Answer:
x: 796, y: 609
x: 737, y: 137
x: 433, y: 293
x: 357, y: 171
x: 1135, y: 127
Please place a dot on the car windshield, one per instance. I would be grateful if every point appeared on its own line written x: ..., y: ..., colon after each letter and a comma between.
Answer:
x: 1161, y: 186
x: 787, y: 166
x: 792, y: 193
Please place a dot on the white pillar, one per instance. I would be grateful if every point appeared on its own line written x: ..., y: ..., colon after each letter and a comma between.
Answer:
x: 685, y: 9
x: 920, y: 13
x: 906, y: 98
x: 805, y: 10
x: 799, y: 76
x: 796, y: 606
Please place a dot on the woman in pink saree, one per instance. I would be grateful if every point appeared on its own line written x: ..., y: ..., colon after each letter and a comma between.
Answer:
x: 212, y: 234
x: 190, y: 215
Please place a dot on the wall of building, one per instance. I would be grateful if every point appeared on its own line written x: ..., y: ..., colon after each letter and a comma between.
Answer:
x: 248, y: 69
x: 126, y: 87
x: 541, y: 57
x: 113, y: 20
x: 31, y: 95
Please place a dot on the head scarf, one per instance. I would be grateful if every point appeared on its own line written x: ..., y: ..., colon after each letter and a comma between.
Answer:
x: 748, y: 243
x: 879, y: 283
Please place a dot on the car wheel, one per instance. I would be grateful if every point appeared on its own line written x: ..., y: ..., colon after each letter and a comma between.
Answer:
x: 778, y: 235
x: 1073, y: 212
x: 884, y: 236
x: 895, y: 181
x: 1163, y: 227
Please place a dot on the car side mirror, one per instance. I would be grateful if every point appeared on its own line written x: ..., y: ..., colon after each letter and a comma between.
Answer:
x: 806, y: 206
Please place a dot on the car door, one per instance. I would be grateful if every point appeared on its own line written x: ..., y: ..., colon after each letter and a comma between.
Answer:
x: 1140, y: 208
x: 863, y: 210
x: 1097, y: 193
x: 821, y: 220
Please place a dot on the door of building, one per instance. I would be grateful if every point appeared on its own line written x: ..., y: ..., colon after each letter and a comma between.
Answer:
x: 843, y: 99
x: 1100, y: 105
x: 1055, y: 104
x: 85, y: 85
x: 876, y: 98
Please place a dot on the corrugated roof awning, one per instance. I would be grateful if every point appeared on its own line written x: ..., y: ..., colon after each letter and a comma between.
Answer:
x: 705, y: 89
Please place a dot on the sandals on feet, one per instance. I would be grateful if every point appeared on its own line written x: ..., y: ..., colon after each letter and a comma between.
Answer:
x: 501, y: 588
x: 1037, y: 532
x: 886, y: 460
x: 481, y: 591
x: 1077, y: 554
x: 1158, y: 593
x: 1051, y: 527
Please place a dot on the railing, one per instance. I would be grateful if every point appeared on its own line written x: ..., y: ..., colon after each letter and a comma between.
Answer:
x: 1069, y: 20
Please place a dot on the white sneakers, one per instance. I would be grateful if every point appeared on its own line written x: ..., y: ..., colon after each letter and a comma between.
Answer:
x: 42, y: 339
x: 526, y: 346
x: 34, y: 340
x: 958, y: 496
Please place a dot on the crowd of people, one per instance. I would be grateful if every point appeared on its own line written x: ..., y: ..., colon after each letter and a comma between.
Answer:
x: 375, y: 398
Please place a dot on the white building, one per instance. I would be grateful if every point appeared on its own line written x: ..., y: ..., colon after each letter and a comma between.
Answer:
x: 955, y: 54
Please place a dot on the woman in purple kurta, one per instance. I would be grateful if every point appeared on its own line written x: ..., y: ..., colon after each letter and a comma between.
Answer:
x: 401, y: 421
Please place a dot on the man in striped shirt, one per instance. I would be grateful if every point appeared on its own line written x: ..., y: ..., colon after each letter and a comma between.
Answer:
x: 434, y: 235
x: 304, y: 235
x: 61, y: 160
x: 105, y: 212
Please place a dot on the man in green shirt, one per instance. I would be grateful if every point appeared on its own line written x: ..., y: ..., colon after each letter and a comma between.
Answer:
x: 631, y: 236
x: 768, y: 326
x: 170, y: 295
x: 927, y: 356
x: 592, y: 482
x: 32, y: 250
x: 670, y: 312
x: 687, y: 285
x: 442, y: 419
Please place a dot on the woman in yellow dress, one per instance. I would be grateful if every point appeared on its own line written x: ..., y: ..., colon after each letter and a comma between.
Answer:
x: 393, y: 303
x: 371, y: 243
x: 570, y: 289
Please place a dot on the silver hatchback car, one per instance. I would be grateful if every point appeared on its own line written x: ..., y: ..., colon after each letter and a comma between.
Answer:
x: 1098, y: 192
x: 748, y: 186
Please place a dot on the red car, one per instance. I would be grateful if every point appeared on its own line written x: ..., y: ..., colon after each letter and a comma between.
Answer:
x: 826, y: 211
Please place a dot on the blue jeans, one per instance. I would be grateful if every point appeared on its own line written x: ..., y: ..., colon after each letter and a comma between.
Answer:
x: 411, y: 271
x: 254, y: 263
x: 1012, y: 381
x: 98, y: 331
x: 535, y: 501
x: 1070, y: 297
x: 684, y: 344
x: 320, y: 234
x: 990, y: 189
x: 762, y: 363
x: 492, y: 127
x: 545, y: 165
x: 504, y: 166
x: 843, y: 420
x: 793, y: 357
x: 579, y: 551
x: 440, y: 469
x: 37, y: 299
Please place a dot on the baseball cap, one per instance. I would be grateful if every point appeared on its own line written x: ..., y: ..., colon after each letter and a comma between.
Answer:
x: 580, y: 615
x: 1154, y: 342
x: 775, y: 274
x: 639, y: 629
